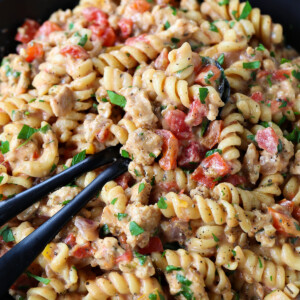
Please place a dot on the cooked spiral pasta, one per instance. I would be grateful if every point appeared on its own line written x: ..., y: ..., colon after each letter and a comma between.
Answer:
x: 265, y: 30
x: 113, y: 283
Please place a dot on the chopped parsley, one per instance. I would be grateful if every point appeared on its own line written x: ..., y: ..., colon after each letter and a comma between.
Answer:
x: 251, y: 137
x: 7, y: 234
x: 260, y: 263
x: 171, y: 268
x: 141, y: 187
x: 180, y: 71
x: 215, y: 238
x: 245, y: 12
x: 78, y: 158
x: 104, y: 230
x: 296, y: 74
x: 43, y: 280
x: 294, y: 136
x: 269, y: 80
x: 162, y: 204
x: 175, y: 40
x: 152, y: 155
x: 281, y: 121
x: 53, y: 168
x: 223, y: 2
x: 135, y: 229
x: 113, y: 201
x: 283, y: 103
x: 121, y: 216
x: 83, y: 40
x: 65, y: 202
x: 221, y: 58
x: 174, y: 10
x: 71, y: 26
x: 211, y: 152
x: 208, y: 76
x: 142, y: 258
x: 297, y: 226
x: 124, y: 153
x: 213, y: 27
x: 279, y: 147
x: 203, y: 92
x: 116, y: 99
x: 4, y: 147
x: 233, y: 252
x: 204, y: 126
x: 284, y: 60
x: 251, y: 65
x: 136, y: 172
x: 261, y: 47
x: 167, y: 25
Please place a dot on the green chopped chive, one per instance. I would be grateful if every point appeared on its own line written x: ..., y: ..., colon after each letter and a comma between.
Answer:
x: 117, y: 99
x: 221, y: 58
x: 162, y: 204
x: 135, y: 229
x: 211, y: 152
x: 215, y: 238
x: 78, y: 158
x: 251, y: 65
x: 141, y: 187
x: 167, y: 25
x: 171, y: 268
x: 124, y: 153
x: 113, y: 201
x: 203, y: 92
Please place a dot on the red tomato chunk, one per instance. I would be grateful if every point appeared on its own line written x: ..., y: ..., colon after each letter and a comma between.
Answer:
x: 196, y: 113
x: 74, y: 51
x: 125, y: 27
x: 33, y: 51
x: 155, y: 245
x: 267, y: 139
x: 27, y: 31
x: 211, y: 167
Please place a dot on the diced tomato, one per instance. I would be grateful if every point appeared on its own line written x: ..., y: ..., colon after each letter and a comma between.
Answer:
x: 155, y: 245
x: 170, y: 149
x: 208, y: 75
x: 196, y: 113
x: 257, y: 97
x: 33, y: 51
x: 47, y: 28
x: 212, y: 134
x: 126, y: 27
x: 127, y: 256
x: 102, y: 135
x: 162, y: 61
x: 24, y: 282
x: 281, y: 75
x: 123, y: 180
x: 296, y: 213
x: 75, y: 51
x: 109, y: 37
x: 288, y: 205
x: 284, y: 223
x: 82, y: 251
x: 200, y: 177
x: 27, y: 31
x: 105, y: 34
x: 70, y: 240
x: 175, y: 119
x: 191, y: 155
x: 35, y: 155
x: 235, y: 179
x: 210, y: 168
x: 171, y: 186
x: 267, y: 139
x: 140, y: 6
x: 135, y: 39
x: 95, y: 15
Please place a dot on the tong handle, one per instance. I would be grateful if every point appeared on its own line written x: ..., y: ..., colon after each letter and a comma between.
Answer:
x: 17, y: 260
x: 11, y: 207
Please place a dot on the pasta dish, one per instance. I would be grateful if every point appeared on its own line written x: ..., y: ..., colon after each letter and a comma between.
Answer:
x: 210, y: 205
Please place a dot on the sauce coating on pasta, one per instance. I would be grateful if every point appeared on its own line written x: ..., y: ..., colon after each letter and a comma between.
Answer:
x: 209, y: 207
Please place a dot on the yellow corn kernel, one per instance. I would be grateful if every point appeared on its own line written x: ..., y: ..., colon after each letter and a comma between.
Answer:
x: 90, y: 149
x: 47, y: 252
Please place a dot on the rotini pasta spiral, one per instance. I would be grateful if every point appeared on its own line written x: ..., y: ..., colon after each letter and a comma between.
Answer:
x: 265, y: 30
x: 113, y: 283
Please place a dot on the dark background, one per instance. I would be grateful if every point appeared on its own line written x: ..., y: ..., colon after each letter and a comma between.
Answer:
x: 13, y: 13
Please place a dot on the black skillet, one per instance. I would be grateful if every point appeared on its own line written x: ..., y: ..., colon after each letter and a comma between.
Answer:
x: 13, y: 13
